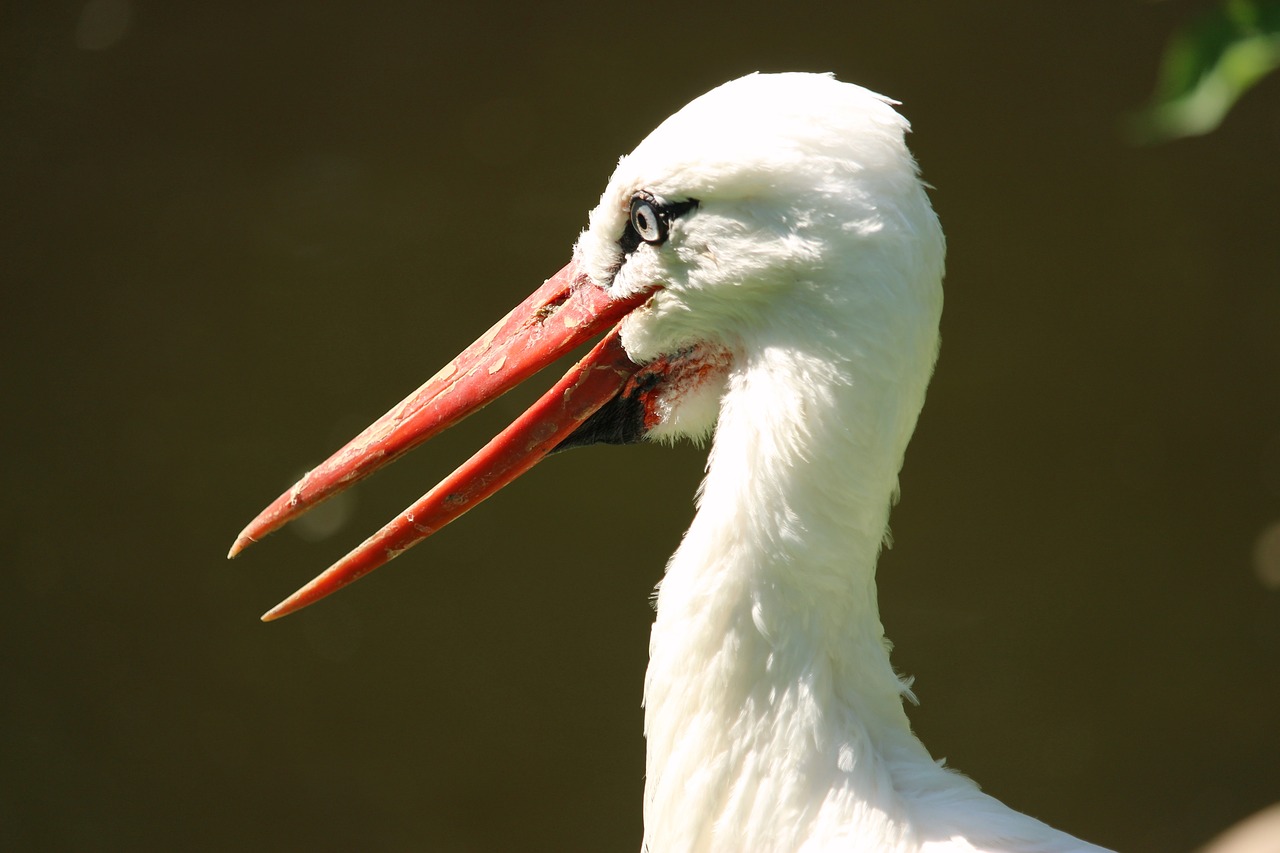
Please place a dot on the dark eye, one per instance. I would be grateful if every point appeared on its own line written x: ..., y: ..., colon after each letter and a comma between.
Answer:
x: 651, y: 219
x: 648, y: 221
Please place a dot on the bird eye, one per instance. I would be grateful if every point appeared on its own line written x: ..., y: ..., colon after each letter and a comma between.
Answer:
x: 647, y: 220
x: 650, y: 220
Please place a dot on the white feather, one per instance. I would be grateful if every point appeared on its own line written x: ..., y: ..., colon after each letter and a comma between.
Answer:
x: 813, y: 263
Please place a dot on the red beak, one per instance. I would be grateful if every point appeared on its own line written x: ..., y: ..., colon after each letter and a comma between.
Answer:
x: 564, y: 313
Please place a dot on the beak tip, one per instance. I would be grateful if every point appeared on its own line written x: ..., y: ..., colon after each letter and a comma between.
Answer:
x: 292, y: 604
x: 281, y: 610
x: 242, y: 541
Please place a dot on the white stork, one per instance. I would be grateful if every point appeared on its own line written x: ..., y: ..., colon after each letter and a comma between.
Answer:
x: 766, y: 267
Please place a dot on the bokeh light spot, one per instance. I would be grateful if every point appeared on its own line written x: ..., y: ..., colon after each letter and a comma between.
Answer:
x: 1266, y: 557
x: 103, y: 23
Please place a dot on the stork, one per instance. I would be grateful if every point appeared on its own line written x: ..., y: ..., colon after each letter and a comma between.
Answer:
x: 766, y: 269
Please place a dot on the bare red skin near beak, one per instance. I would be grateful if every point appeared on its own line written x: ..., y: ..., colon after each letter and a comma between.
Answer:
x: 561, y: 315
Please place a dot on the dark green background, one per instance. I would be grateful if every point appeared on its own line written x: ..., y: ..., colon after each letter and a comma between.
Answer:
x: 233, y: 233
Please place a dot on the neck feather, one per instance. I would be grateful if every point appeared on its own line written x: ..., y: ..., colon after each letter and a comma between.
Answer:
x: 770, y: 698
x: 773, y: 716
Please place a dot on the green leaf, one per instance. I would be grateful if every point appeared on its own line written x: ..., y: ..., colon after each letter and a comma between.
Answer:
x: 1207, y: 67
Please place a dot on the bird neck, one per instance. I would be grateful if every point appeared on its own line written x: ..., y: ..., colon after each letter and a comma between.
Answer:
x: 770, y: 699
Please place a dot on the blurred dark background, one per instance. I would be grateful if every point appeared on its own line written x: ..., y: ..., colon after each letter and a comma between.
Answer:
x: 233, y: 233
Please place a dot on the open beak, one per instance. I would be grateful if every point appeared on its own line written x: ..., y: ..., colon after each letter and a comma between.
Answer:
x: 561, y: 315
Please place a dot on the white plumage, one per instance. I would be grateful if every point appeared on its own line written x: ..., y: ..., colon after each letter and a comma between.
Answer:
x: 770, y: 268
x: 773, y: 716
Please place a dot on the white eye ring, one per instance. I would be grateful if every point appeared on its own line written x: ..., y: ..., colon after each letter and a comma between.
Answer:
x: 647, y: 221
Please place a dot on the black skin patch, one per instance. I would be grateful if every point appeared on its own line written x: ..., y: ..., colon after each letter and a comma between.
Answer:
x: 622, y: 419
x: 619, y: 421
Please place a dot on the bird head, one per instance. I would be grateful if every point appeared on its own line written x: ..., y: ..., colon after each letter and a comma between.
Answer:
x: 775, y: 209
